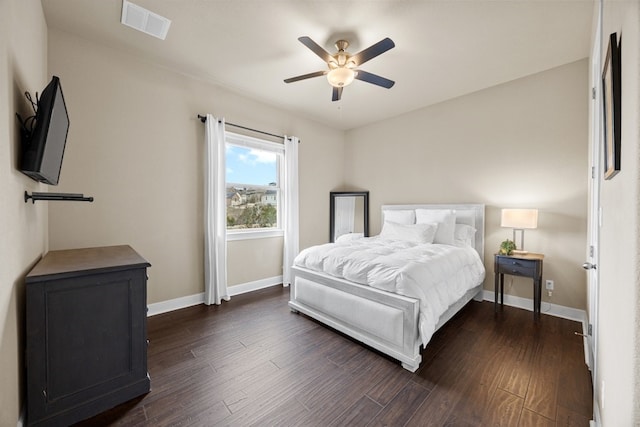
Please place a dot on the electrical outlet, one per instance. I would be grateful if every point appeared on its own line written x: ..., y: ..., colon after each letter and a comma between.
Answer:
x: 549, y: 285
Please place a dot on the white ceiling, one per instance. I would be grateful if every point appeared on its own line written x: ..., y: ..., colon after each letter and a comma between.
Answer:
x: 444, y: 48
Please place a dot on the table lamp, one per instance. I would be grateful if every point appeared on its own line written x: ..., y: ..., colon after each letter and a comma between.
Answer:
x: 519, y: 219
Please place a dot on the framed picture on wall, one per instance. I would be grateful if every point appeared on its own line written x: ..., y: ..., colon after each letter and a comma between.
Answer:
x: 612, y: 120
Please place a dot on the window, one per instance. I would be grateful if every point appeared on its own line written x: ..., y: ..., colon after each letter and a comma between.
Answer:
x: 253, y: 187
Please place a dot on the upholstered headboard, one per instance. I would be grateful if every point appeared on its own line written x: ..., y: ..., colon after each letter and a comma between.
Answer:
x: 470, y: 214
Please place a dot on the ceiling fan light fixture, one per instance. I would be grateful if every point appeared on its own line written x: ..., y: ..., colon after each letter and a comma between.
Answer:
x: 341, y: 77
x: 343, y: 67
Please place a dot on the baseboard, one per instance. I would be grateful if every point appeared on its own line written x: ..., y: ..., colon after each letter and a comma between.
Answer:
x: 510, y: 300
x: 174, y: 304
x: 254, y: 286
x: 191, y: 300
x: 546, y: 307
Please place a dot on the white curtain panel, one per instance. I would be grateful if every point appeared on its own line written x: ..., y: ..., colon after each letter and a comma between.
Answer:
x: 291, y: 214
x: 215, y: 227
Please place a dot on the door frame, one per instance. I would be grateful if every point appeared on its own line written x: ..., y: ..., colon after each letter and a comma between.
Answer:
x: 594, y: 215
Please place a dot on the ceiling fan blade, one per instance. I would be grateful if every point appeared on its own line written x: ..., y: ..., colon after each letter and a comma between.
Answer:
x: 337, y: 93
x: 316, y: 48
x: 305, y: 76
x: 374, y: 79
x: 372, y: 51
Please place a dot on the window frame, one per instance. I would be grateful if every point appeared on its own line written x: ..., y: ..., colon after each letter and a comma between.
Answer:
x: 244, y: 141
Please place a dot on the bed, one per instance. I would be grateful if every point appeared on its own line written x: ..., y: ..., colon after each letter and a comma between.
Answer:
x: 380, y: 292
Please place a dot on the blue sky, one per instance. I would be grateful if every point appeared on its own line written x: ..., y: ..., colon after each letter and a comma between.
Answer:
x: 251, y: 166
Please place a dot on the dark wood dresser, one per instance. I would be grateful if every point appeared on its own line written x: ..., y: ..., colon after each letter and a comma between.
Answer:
x: 86, y: 333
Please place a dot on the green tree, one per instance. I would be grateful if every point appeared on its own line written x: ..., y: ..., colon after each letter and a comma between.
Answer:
x: 268, y: 216
x: 249, y: 217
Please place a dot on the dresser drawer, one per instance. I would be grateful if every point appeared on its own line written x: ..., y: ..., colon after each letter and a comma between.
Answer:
x: 517, y: 267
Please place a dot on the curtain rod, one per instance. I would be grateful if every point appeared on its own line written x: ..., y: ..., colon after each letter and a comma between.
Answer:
x: 203, y: 119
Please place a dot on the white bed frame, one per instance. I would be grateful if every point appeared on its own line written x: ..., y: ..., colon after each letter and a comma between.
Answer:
x: 385, y: 321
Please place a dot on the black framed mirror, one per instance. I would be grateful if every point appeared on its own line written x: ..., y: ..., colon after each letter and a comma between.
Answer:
x: 349, y: 213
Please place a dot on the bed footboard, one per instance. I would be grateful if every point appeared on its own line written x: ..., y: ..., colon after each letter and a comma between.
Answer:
x: 387, y: 322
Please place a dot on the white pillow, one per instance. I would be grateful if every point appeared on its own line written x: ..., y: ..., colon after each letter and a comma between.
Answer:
x: 446, y: 220
x: 400, y: 216
x: 416, y: 233
x: 464, y: 234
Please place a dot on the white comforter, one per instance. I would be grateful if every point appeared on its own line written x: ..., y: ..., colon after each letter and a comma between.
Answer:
x: 437, y: 275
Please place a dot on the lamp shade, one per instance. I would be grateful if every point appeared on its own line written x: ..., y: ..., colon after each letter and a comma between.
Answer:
x: 519, y: 218
x: 341, y: 76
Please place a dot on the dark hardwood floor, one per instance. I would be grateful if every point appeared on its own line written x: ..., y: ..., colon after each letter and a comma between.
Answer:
x: 253, y: 362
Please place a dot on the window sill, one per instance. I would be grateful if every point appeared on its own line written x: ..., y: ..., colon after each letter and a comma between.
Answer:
x: 253, y: 234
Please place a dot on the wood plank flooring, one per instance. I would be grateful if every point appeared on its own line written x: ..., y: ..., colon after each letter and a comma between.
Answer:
x: 251, y: 361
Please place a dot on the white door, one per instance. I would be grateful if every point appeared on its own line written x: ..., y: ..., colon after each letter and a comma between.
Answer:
x: 591, y: 264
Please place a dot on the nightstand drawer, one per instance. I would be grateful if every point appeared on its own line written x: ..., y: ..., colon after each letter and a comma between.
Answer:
x: 518, y: 267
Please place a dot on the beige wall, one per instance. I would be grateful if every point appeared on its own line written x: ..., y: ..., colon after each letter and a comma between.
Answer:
x: 135, y: 144
x: 23, y: 227
x: 618, y: 351
x: 256, y: 259
x: 520, y: 144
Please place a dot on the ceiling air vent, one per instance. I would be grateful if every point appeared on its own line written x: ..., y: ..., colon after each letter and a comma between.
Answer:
x: 144, y: 20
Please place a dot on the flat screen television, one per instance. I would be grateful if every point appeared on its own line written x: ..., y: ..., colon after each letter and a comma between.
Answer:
x: 43, y: 146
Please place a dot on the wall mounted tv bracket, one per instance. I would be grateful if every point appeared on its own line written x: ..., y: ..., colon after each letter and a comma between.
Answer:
x: 26, y: 125
x: 64, y: 197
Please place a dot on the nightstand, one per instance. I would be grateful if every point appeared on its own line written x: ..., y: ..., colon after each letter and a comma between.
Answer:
x: 524, y: 265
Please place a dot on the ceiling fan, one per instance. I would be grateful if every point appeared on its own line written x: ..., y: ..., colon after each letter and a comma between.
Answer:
x: 343, y: 66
